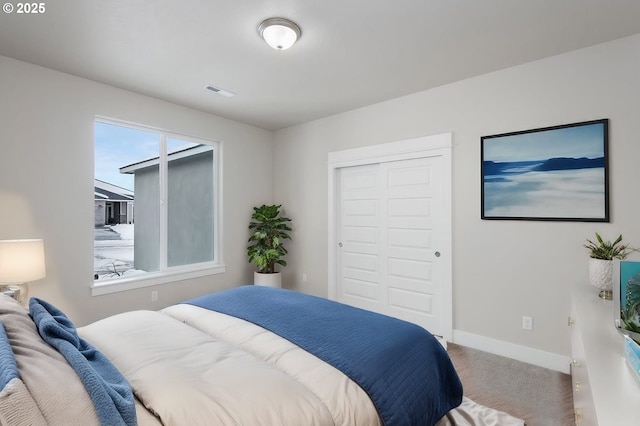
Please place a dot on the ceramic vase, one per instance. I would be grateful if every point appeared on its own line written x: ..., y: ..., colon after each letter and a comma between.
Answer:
x: 601, y: 276
x: 268, y: 280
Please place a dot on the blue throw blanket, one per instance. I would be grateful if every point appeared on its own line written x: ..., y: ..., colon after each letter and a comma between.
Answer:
x: 109, y: 390
x: 8, y: 367
x: 402, y: 367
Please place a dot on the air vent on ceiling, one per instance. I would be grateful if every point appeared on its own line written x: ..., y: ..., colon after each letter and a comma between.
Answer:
x: 219, y: 91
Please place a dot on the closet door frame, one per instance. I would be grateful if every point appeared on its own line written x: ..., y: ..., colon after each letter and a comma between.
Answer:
x: 427, y: 146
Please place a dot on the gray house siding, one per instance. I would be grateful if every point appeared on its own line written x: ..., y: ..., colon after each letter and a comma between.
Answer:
x: 190, y: 212
x: 146, y: 233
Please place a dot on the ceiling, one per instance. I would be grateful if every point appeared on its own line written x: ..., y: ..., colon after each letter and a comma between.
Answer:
x: 352, y: 53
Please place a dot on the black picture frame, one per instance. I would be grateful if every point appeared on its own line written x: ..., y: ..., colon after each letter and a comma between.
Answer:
x: 557, y: 173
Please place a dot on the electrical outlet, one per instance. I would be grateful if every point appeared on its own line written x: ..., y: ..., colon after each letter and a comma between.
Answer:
x: 304, y: 277
x: 154, y: 296
x: 527, y: 323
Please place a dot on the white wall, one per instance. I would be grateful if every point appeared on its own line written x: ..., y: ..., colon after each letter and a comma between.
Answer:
x: 502, y: 269
x: 46, y: 181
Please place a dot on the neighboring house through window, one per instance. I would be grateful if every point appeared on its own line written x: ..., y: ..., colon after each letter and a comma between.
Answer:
x: 156, y: 207
x: 113, y: 204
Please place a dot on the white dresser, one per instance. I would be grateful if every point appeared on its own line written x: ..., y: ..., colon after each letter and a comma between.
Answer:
x: 604, y: 390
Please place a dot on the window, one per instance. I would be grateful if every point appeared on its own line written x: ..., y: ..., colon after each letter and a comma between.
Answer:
x: 156, y: 207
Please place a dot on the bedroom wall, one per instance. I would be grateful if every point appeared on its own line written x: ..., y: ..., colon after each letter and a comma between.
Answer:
x: 502, y: 269
x: 46, y: 181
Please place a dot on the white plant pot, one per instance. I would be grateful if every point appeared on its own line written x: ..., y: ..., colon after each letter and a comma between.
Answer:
x: 268, y: 280
x: 601, y: 276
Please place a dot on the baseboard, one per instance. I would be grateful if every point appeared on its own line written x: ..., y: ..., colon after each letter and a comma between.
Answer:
x: 520, y: 353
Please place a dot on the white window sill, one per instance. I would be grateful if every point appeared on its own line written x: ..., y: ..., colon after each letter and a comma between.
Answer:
x: 153, y: 278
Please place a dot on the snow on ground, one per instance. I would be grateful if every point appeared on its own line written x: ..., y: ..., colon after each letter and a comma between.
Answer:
x: 113, y: 251
x: 124, y: 230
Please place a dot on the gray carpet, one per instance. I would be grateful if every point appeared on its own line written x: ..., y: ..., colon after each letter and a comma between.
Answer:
x: 539, y: 396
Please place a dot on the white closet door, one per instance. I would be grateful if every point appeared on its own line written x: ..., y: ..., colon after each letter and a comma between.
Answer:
x: 388, y: 219
x: 359, y: 219
x: 412, y: 199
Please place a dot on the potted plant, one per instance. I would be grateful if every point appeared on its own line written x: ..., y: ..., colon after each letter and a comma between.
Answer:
x: 601, y: 255
x: 266, y: 249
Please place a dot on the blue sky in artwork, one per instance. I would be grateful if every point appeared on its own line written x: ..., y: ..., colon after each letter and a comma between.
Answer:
x: 572, y: 142
x: 118, y: 146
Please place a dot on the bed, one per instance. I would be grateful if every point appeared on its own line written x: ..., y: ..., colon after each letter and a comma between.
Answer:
x: 246, y: 356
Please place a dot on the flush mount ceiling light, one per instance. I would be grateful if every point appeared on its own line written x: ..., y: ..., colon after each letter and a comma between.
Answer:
x: 279, y: 33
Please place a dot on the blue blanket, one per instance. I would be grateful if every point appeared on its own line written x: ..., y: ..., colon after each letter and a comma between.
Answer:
x: 109, y: 390
x: 8, y: 367
x: 402, y: 367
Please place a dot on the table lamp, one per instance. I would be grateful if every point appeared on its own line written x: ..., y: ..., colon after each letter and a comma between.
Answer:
x: 21, y: 261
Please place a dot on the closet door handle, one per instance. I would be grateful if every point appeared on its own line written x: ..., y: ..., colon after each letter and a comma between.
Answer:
x: 437, y: 254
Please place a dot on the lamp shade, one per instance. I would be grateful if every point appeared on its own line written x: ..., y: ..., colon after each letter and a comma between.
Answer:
x: 21, y: 261
x: 279, y: 33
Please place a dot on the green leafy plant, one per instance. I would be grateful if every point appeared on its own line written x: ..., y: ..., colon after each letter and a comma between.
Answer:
x: 607, y: 250
x: 629, y: 317
x: 630, y: 313
x: 269, y: 230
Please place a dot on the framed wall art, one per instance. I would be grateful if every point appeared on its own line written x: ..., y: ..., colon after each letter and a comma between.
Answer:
x: 555, y: 173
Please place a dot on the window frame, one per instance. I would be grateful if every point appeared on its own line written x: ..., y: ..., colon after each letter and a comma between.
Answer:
x: 168, y: 274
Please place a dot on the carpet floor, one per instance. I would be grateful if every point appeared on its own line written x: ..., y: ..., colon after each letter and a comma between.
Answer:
x: 539, y: 396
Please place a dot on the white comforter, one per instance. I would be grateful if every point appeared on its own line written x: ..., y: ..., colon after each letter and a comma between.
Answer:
x: 335, y: 389
x: 190, y: 366
x: 225, y: 371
